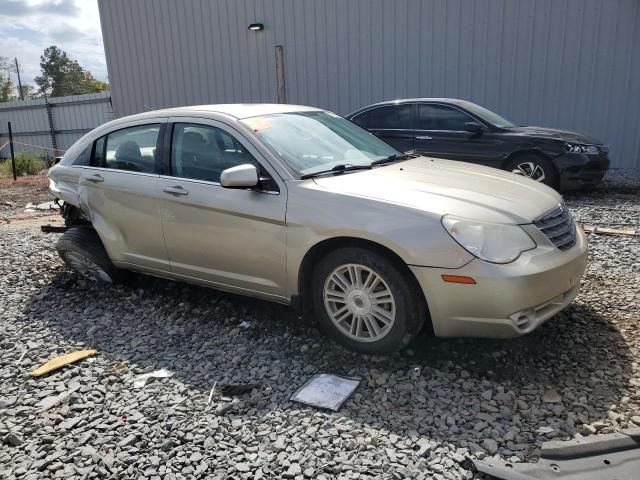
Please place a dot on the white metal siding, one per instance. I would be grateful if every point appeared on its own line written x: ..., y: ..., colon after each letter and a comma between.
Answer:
x: 572, y: 64
x: 72, y: 117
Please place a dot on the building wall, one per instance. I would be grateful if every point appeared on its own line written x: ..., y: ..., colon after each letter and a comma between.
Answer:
x: 71, y: 118
x: 572, y: 64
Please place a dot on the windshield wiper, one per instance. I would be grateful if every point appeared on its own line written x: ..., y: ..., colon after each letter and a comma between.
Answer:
x: 391, y: 158
x: 337, y: 169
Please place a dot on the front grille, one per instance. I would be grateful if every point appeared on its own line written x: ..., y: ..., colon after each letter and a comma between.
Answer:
x: 558, y: 226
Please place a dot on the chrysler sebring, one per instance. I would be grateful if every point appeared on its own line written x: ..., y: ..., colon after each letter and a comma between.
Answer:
x: 299, y: 206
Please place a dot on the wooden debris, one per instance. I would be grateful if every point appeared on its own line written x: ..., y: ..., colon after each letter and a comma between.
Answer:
x: 610, y: 231
x: 61, y: 361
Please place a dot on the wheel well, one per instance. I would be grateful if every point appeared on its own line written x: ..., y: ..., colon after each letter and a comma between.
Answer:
x: 321, y: 249
x: 520, y: 153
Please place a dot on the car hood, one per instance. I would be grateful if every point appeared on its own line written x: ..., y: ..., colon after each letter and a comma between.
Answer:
x: 442, y: 187
x: 565, y: 135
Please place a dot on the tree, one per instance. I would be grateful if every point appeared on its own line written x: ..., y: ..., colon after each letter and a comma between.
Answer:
x: 6, y: 85
x: 63, y: 76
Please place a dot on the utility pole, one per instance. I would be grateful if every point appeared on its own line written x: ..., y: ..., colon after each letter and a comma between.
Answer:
x: 20, y: 92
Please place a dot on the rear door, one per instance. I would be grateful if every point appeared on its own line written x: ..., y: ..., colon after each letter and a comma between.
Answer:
x: 441, y: 132
x: 392, y: 123
x: 234, y: 239
x: 119, y: 191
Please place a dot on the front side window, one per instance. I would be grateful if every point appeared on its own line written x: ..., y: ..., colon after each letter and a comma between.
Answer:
x: 202, y: 152
x: 311, y: 142
x: 441, y: 117
x: 132, y: 149
x: 392, y: 117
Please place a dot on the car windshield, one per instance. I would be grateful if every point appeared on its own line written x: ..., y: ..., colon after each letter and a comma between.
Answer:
x: 312, y: 142
x: 491, y: 117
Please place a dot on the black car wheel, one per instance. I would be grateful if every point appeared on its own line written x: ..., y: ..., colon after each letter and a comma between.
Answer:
x: 536, y: 168
x: 81, y: 249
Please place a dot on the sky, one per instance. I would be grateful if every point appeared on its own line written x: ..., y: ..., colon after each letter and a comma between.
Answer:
x: 27, y: 27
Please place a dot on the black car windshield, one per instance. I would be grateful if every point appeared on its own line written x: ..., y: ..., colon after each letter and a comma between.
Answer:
x: 491, y: 117
x: 312, y: 142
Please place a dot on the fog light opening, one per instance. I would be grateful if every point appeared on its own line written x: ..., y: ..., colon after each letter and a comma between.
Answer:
x: 523, y: 319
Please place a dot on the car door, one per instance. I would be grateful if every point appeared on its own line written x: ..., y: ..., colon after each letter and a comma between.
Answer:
x: 392, y: 123
x: 118, y: 190
x: 441, y: 132
x: 234, y: 239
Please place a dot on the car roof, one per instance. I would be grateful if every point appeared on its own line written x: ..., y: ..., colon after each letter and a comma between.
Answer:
x: 237, y: 110
x: 451, y: 101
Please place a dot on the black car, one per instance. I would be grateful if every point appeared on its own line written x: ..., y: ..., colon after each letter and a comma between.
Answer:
x: 461, y: 130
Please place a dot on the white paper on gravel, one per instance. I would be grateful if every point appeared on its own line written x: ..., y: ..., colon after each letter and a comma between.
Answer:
x: 141, y: 380
x: 326, y: 391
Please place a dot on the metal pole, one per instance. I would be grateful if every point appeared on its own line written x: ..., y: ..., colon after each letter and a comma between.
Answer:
x: 281, y: 84
x: 13, y: 158
x: 52, y: 132
x: 20, y: 92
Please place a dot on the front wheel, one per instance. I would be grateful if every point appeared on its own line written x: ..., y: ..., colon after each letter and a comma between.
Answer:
x: 366, y: 302
x: 536, y: 168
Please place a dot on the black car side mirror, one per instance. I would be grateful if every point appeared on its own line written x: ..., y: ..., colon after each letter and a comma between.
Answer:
x: 474, y: 127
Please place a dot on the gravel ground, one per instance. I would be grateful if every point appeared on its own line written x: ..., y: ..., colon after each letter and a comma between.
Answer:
x: 419, y: 414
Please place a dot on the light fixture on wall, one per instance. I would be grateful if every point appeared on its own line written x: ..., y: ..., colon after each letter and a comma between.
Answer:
x: 256, y: 27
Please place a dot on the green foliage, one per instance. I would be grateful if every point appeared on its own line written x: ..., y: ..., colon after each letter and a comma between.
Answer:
x: 26, y: 164
x: 6, y: 85
x: 63, y: 76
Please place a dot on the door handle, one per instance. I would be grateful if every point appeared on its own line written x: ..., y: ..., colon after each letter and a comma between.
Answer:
x: 424, y: 137
x: 97, y: 178
x: 176, y: 190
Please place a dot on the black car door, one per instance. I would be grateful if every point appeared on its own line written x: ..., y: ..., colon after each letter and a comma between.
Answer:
x: 442, y: 132
x: 392, y: 123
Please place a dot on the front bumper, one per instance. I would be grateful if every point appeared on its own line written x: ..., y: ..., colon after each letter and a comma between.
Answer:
x: 507, y: 300
x: 579, y: 170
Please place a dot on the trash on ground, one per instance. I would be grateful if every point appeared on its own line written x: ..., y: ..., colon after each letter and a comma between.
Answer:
x: 237, y: 388
x: 245, y: 324
x: 141, y: 380
x: 223, y: 408
x: 326, y: 391
x: 544, y: 430
x: 610, y: 231
x: 61, y: 361
x: 211, y: 392
x: 46, y: 206
x: 613, y: 455
x: 22, y: 356
x: 117, y: 368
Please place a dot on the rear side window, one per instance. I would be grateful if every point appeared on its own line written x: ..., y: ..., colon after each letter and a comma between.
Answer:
x: 363, y: 119
x: 441, y: 117
x: 202, y: 152
x: 392, y: 117
x: 132, y: 149
x: 84, y: 159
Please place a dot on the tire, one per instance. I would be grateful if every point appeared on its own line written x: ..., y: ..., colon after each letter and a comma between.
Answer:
x: 82, y: 250
x: 404, y: 309
x: 535, y: 167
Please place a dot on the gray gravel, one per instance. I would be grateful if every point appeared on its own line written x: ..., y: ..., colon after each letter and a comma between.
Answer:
x: 419, y: 414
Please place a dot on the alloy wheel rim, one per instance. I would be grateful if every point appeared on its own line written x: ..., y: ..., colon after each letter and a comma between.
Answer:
x: 530, y: 170
x: 359, y: 302
x: 86, y: 267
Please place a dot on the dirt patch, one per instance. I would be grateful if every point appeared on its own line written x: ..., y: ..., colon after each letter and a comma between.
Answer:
x: 14, y: 196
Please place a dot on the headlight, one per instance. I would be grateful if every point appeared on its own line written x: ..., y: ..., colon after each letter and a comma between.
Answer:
x: 493, y: 242
x: 580, y: 148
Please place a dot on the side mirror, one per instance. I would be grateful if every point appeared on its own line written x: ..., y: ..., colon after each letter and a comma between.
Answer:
x: 240, y: 176
x: 474, y: 127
